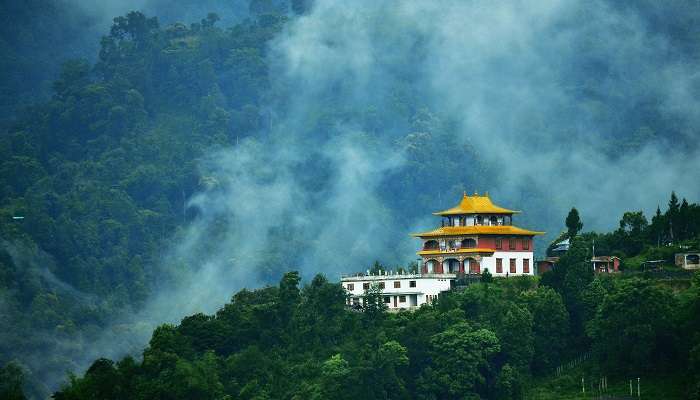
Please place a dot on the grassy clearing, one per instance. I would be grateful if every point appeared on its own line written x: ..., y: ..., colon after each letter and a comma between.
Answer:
x: 568, y: 387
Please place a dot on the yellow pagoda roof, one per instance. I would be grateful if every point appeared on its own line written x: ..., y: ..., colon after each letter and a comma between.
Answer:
x: 478, y: 230
x: 476, y: 204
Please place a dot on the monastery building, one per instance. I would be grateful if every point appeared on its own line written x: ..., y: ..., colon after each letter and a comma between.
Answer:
x: 474, y: 236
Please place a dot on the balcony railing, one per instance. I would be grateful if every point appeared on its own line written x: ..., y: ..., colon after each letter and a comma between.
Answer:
x: 372, y: 277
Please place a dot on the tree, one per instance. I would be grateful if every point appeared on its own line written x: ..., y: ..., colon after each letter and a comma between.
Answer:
x: 486, y: 277
x: 672, y: 215
x: 508, y: 384
x: 390, y: 359
x: 633, y: 229
x: 513, y: 325
x: 460, y: 357
x: 573, y: 223
x: 374, y: 305
x: 11, y: 379
x: 376, y: 268
x: 321, y: 317
x: 289, y: 290
x: 550, y: 327
x: 633, y: 223
x: 658, y: 227
x: 684, y: 220
x: 334, y: 375
x: 134, y: 26
x: 632, y: 331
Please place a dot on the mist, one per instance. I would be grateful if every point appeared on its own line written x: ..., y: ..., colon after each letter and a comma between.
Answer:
x: 513, y: 81
x: 532, y: 94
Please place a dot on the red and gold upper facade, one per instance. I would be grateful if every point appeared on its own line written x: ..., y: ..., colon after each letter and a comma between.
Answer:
x: 476, y: 225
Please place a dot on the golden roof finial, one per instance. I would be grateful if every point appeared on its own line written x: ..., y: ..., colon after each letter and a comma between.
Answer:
x: 476, y: 193
x: 486, y: 194
x: 465, y: 193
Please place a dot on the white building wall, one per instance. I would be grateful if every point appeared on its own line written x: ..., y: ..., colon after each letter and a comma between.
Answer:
x: 426, y: 285
x: 490, y: 262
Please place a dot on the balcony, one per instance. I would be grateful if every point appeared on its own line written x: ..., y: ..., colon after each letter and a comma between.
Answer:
x: 393, y: 276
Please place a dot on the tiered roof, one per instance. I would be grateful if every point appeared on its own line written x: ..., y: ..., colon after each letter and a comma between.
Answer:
x: 476, y: 205
x: 478, y: 229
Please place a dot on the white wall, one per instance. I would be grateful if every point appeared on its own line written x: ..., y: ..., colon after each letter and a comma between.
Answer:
x: 490, y: 262
x: 424, y: 286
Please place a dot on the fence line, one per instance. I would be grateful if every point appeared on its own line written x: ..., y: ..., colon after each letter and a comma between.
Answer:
x: 572, y: 364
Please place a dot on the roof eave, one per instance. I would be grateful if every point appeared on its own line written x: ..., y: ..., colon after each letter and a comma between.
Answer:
x: 461, y: 212
x: 433, y: 234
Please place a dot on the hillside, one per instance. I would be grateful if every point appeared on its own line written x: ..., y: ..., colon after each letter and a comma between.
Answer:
x: 148, y: 175
x: 488, y: 341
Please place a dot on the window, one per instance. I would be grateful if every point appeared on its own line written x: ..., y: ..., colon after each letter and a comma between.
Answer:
x: 397, y: 284
x: 402, y: 299
x: 351, y: 286
x: 387, y: 299
x: 411, y: 283
x: 499, y: 265
x: 512, y: 265
x: 526, y: 266
x: 365, y: 286
x: 356, y: 301
x: 526, y: 244
x: 479, y: 220
x: 381, y: 285
x: 431, y: 245
x: 511, y: 244
x: 499, y: 244
x: 469, y: 243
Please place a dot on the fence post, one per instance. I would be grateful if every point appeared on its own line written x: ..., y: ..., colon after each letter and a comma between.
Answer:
x: 638, y: 391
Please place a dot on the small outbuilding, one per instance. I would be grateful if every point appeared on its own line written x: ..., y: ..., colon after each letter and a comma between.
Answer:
x: 688, y: 260
x: 605, y: 264
x: 546, y: 264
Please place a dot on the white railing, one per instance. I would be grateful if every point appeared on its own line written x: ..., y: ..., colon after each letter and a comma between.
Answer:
x: 371, y: 277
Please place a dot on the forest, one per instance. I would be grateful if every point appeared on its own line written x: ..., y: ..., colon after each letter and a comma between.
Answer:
x: 489, y: 340
x: 486, y: 341
x: 135, y: 162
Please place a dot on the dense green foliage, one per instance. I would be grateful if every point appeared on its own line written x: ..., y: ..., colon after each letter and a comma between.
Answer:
x: 102, y: 169
x: 100, y: 174
x: 485, y: 341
